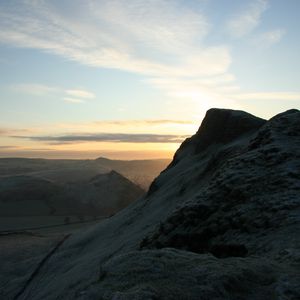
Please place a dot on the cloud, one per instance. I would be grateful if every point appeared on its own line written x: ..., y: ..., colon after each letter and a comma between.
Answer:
x: 34, y: 89
x: 143, y: 122
x: 8, y: 147
x: 38, y: 149
x: 73, y: 100
x: 246, y: 21
x: 11, y: 131
x: 269, y: 96
x: 3, y: 132
x: 80, y: 94
x: 88, y: 129
x: 68, y: 95
x: 107, y: 137
x: 269, y: 38
x: 150, y: 38
x: 190, y: 84
x: 207, y: 89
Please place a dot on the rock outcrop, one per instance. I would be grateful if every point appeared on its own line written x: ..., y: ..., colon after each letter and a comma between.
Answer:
x: 221, y: 222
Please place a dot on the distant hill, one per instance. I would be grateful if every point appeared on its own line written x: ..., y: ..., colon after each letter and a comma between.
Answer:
x: 104, y: 194
x: 57, y: 170
x: 141, y: 172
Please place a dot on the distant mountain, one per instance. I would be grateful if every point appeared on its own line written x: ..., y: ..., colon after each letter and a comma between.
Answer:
x: 102, y: 195
x: 221, y: 222
x: 57, y: 170
x: 141, y: 172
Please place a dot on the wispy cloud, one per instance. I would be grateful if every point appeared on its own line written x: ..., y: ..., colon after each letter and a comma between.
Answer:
x: 107, y: 137
x: 73, y: 100
x: 180, y: 87
x: 269, y: 38
x: 146, y: 37
x: 80, y: 94
x: 37, y: 24
x: 151, y: 38
x: 143, y: 122
x: 8, y: 147
x: 10, y: 131
x: 35, y: 89
x: 285, y: 96
x: 3, y: 132
x: 42, y: 90
x: 92, y: 128
x: 248, y: 19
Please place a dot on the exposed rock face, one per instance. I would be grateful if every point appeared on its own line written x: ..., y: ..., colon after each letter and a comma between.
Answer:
x: 222, y: 222
x: 218, y: 127
x: 245, y: 195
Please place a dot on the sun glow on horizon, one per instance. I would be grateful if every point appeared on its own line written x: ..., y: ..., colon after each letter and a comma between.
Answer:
x: 140, y: 138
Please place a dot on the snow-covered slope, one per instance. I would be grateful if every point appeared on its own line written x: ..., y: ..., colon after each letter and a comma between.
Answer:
x: 221, y: 222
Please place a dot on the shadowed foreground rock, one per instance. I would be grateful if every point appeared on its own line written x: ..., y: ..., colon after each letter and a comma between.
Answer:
x: 221, y: 222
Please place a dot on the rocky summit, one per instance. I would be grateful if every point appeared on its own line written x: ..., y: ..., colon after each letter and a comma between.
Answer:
x: 221, y: 222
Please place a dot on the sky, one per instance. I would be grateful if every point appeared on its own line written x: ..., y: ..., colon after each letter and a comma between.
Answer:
x: 133, y: 79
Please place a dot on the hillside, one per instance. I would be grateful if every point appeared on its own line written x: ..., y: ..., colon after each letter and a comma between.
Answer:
x: 59, y: 170
x: 221, y: 222
x: 141, y: 172
x: 62, y: 171
x: 102, y: 195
